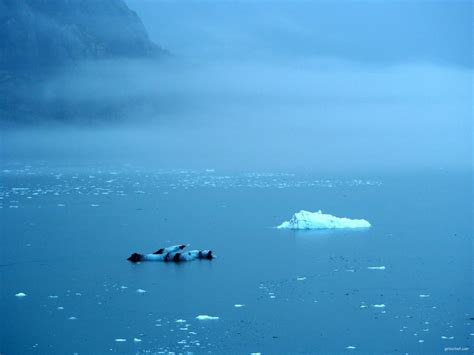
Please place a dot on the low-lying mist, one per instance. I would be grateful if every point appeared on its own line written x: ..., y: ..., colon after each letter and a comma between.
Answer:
x: 316, y: 114
x: 275, y: 85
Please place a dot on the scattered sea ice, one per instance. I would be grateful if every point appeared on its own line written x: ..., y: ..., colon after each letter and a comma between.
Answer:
x: 206, y: 317
x: 239, y: 305
x: 72, y: 318
x: 120, y: 340
x: 302, y: 278
x: 379, y: 305
x: 137, y: 340
x: 141, y: 290
x: 350, y: 347
x: 180, y: 321
x: 423, y: 296
x: 20, y: 294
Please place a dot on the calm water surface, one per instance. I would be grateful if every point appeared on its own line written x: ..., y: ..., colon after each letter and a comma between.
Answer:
x: 66, y: 234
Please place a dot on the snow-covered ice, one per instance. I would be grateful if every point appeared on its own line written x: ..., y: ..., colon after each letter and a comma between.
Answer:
x: 206, y: 317
x: 319, y: 220
x: 20, y: 294
x: 376, y: 268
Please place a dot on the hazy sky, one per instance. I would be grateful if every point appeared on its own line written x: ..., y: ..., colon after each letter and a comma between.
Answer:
x: 285, y: 85
x: 369, y: 32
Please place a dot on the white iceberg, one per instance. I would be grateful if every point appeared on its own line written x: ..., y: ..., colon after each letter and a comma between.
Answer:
x: 319, y: 220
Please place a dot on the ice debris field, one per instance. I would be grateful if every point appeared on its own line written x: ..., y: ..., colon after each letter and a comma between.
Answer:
x: 319, y: 220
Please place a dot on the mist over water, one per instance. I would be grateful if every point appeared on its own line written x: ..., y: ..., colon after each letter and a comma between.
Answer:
x: 304, y: 86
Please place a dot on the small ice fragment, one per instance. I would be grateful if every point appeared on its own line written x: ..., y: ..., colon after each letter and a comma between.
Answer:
x: 53, y: 296
x: 137, y: 340
x: 61, y: 205
x: 141, y: 290
x: 255, y: 353
x: 423, y: 296
x: 206, y: 317
x: 20, y: 294
x: 180, y: 321
x: 120, y: 340
x: 72, y: 318
x: 272, y: 296
x: 376, y: 268
x: 350, y: 347
x: 421, y: 341
x: 60, y: 307
x: 302, y: 278
x: 378, y: 305
x: 239, y: 305
x: 94, y: 205
x: 363, y: 306
x: 123, y: 287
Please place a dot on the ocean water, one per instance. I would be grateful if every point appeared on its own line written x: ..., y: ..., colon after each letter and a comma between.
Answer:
x: 66, y: 234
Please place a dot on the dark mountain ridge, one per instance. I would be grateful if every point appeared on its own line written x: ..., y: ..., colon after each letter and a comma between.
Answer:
x: 36, y: 34
x: 41, y: 38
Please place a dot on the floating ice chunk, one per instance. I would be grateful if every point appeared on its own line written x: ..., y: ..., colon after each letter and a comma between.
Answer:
x: 72, y: 318
x: 53, y: 296
x: 239, y: 305
x: 180, y: 321
x: 137, y: 340
x: 120, y: 340
x: 319, y: 220
x: 141, y: 290
x: 379, y: 305
x: 376, y: 268
x: 350, y: 347
x: 301, y: 278
x: 423, y: 296
x: 20, y: 294
x: 255, y: 353
x: 206, y: 317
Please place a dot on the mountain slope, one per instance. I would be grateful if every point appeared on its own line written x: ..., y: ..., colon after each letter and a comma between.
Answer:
x: 45, y: 33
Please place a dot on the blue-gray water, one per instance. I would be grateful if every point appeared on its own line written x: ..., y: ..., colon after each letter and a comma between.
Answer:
x: 66, y: 234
